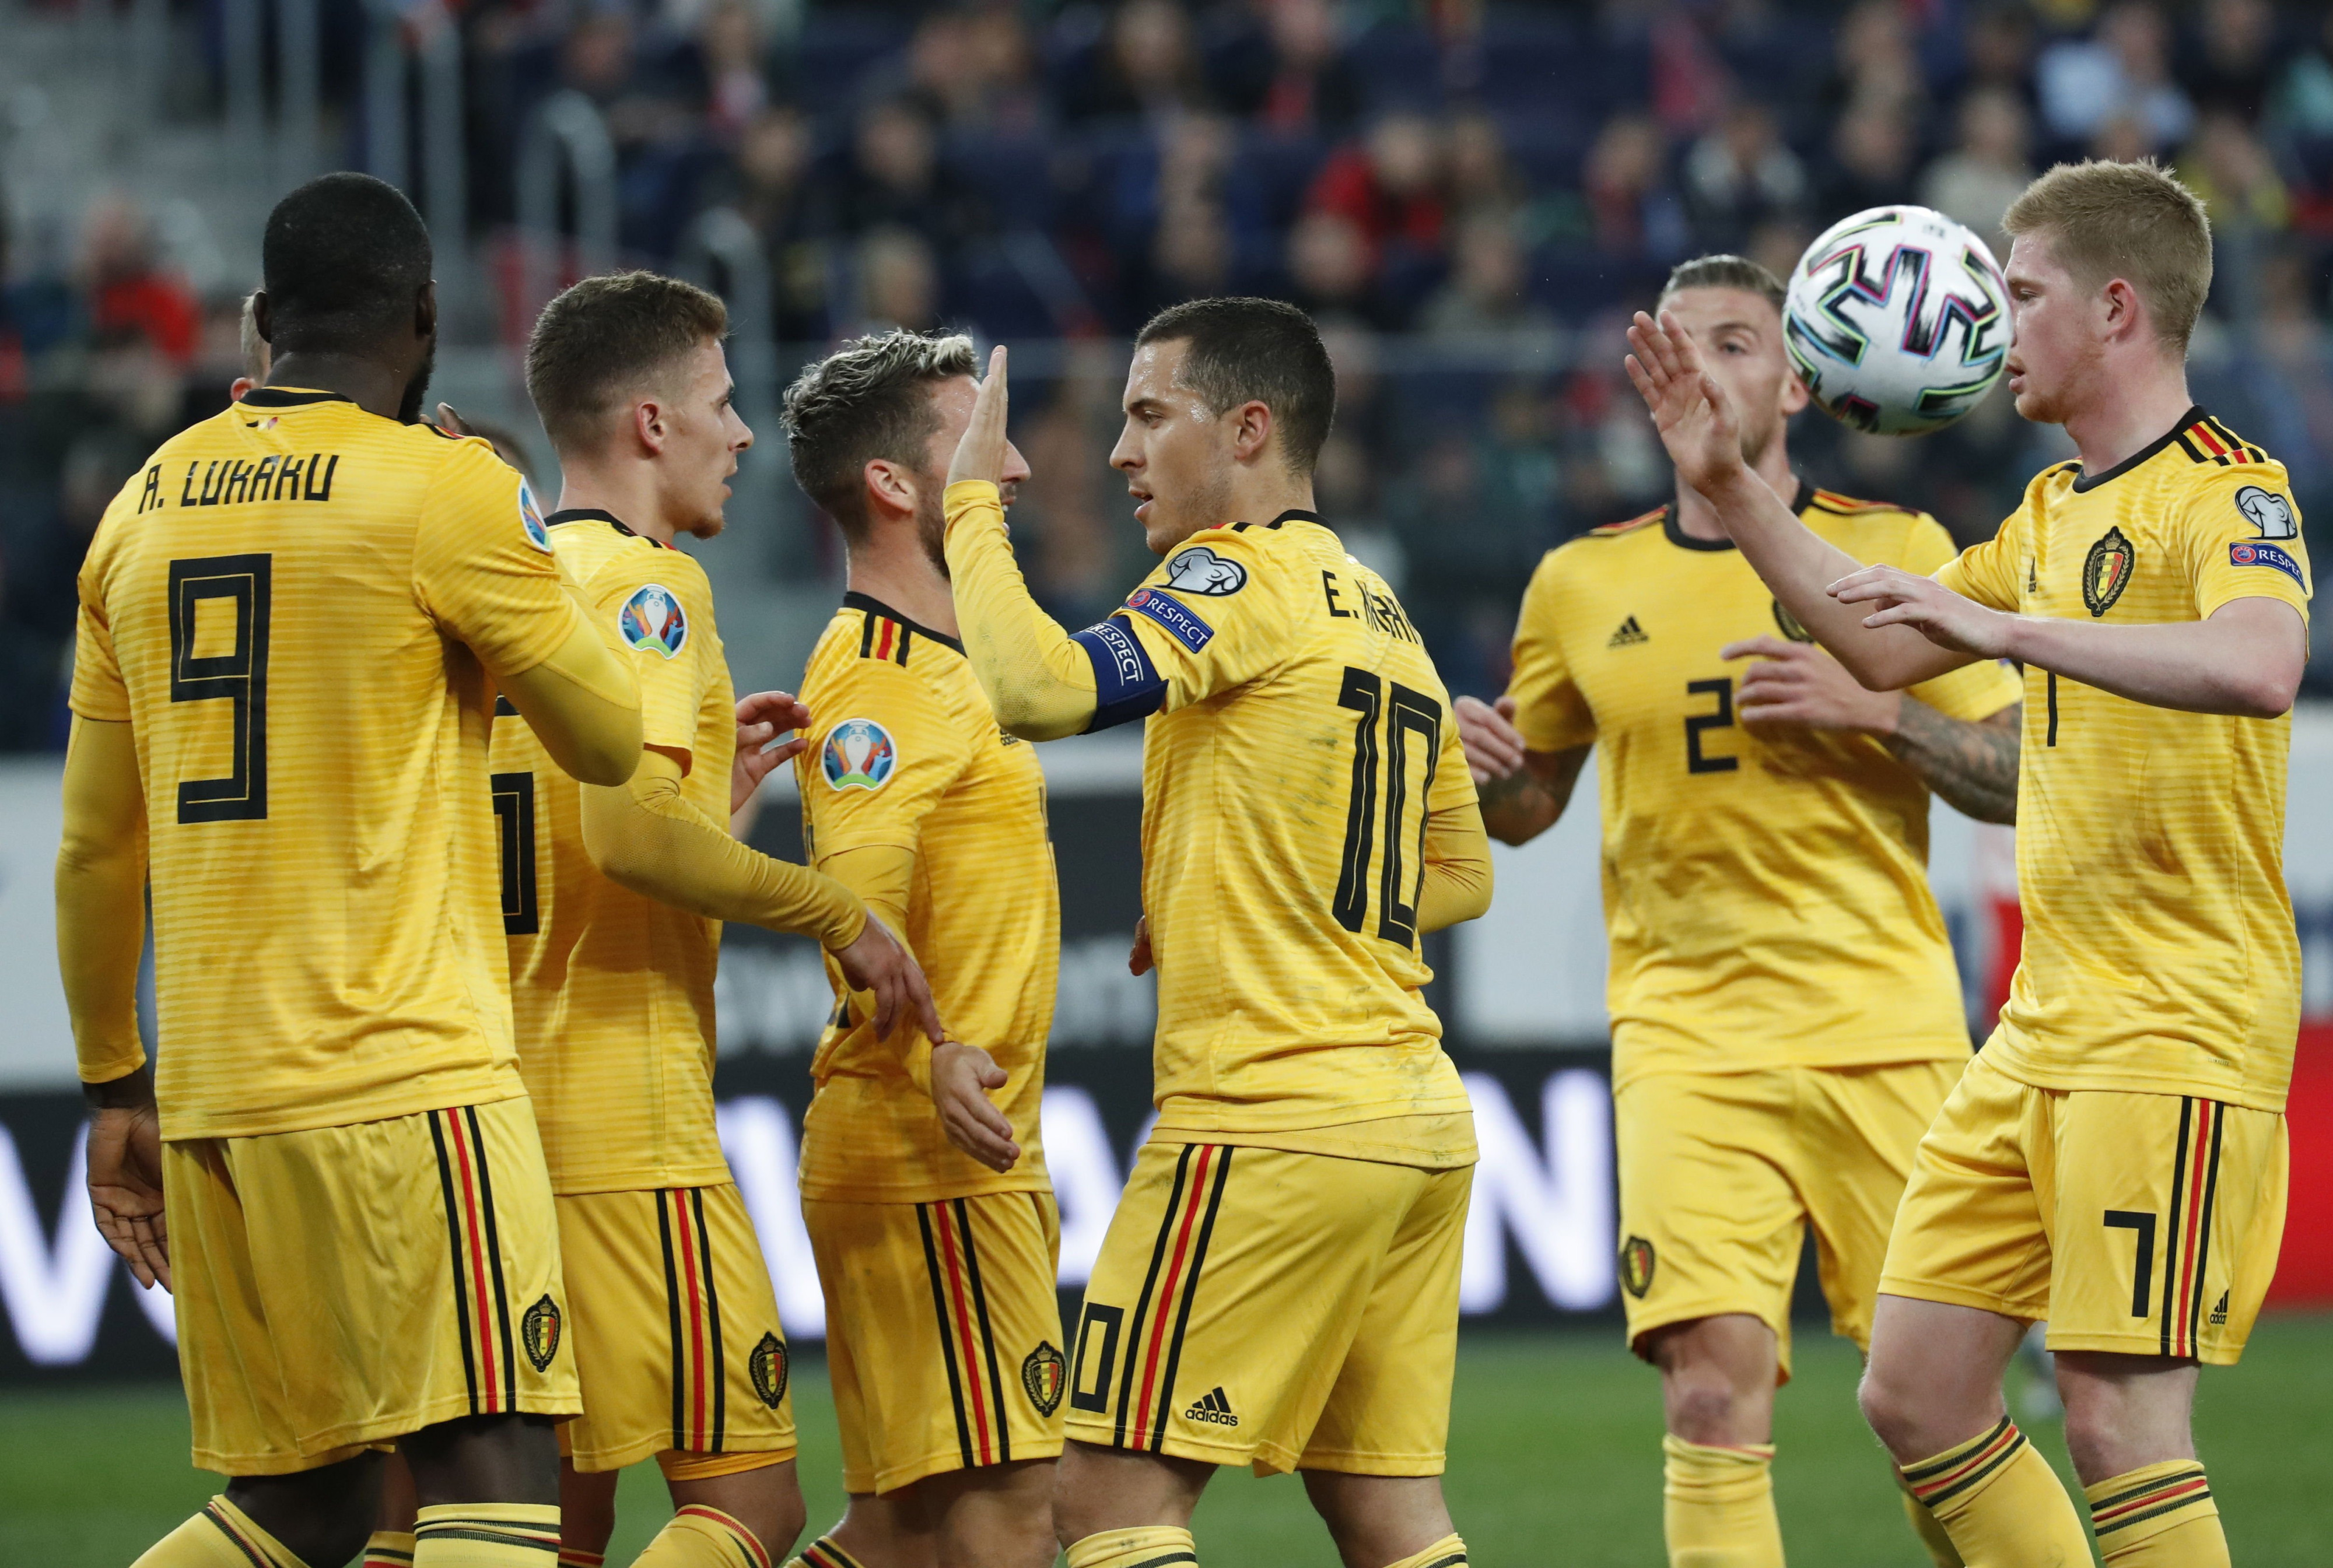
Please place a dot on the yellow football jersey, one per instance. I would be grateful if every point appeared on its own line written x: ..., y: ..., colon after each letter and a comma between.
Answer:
x: 611, y: 991
x: 906, y: 754
x: 1301, y: 741
x: 1766, y: 894
x: 295, y: 605
x: 2160, y: 955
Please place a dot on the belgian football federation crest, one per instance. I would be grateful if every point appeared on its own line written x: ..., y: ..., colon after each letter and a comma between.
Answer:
x: 768, y: 1366
x: 539, y: 1330
x: 1789, y: 625
x: 1045, y: 1375
x: 2105, y: 571
x: 859, y: 755
x: 529, y: 517
x: 652, y: 621
x: 1637, y: 1262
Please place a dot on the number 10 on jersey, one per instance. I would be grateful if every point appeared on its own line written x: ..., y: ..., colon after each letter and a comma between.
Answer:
x: 1398, y: 714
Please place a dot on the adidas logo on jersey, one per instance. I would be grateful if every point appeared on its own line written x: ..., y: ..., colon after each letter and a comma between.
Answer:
x: 1629, y: 634
x: 1212, y: 1407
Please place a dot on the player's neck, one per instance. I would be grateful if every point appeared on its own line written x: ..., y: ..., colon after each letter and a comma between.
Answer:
x: 1261, y: 490
x: 627, y: 492
x: 1696, y: 519
x: 2133, y: 408
x: 375, y: 387
x: 890, y: 566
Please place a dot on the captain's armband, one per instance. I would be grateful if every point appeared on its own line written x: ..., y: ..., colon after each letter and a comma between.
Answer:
x: 1127, y: 686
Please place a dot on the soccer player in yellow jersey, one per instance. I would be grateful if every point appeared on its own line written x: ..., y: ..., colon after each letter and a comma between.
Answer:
x: 1786, y: 1017
x: 1278, y: 1287
x: 613, y: 900
x: 928, y: 1205
x: 2114, y: 1161
x: 293, y: 624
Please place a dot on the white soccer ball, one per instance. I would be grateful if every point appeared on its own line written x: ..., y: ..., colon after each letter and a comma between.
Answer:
x: 1897, y: 320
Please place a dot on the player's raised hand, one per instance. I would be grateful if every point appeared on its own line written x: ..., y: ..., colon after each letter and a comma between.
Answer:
x: 1137, y: 957
x: 877, y: 962
x: 981, y: 453
x: 1494, y: 747
x: 762, y: 717
x: 1906, y: 598
x: 125, y: 1188
x: 1798, y: 683
x: 962, y: 1077
x: 1695, y: 417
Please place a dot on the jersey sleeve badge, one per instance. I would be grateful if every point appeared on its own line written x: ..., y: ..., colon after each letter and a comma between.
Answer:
x: 529, y: 517
x: 1174, y: 615
x: 652, y: 621
x: 2262, y: 553
x: 1200, y: 571
x: 860, y: 754
x: 2270, y: 512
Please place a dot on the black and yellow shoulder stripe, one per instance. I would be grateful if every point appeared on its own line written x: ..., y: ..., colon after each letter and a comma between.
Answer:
x: 2206, y: 440
x: 1614, y: 530
x: 1838, y: 505
x: 882, y: 637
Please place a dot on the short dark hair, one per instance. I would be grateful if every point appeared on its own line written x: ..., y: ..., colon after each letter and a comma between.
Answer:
x: 1724, y: 272
x: 607, y: 337
x: 869, y: 400
x: 344, y: 257
x: 1256, y: 350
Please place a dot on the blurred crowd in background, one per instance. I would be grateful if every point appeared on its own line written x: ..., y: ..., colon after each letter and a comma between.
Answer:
x: 1470, y: 199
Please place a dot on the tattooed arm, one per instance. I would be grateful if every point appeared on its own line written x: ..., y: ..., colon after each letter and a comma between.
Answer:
x: 1972, y: 763
x: 1523, y: 791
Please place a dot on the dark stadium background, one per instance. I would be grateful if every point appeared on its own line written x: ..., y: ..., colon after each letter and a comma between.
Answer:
x: 1469, y: 195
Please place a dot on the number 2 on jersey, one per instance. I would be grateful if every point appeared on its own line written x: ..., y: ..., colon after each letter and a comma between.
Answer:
x: 236, y: 673
x: 1405, y: 713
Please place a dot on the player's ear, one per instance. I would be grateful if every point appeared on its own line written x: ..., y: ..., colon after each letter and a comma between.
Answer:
x: 424, y: 311
x: 889, y: 485
x: 1252, y: 425
x: 1794, y: 393
x: 262, y: 316
x: 647, y: 425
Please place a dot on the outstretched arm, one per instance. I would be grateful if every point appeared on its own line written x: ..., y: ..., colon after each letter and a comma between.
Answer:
x: 1697, y: 425
x: 2245, y: 660
x: 584, y: 706
x: 1039, y: 679
x: 644, y: 835
x: 1457, y: 885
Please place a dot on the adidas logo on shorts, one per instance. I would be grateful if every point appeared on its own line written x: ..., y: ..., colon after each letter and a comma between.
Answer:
x: 2220, y: 1313
x: 1212, y: 1407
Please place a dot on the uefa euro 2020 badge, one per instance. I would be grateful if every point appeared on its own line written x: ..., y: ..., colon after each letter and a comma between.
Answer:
x: 652, y: 621
x: 859, y: 755
x: 529, y: 517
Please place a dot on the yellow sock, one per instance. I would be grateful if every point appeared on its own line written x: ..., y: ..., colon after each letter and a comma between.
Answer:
x: 1718, y: 1506
x: 1144, y: 1547
x: 1447, y: 1552
x: 389, y: 1549
x: 221, y: 1536
x: 823, y: 1552
x: 486, y: 1535
x: 1998, y: 1499
x: 1932, y: 1534
x: 2158, y: 1517
x: 702, y: 1537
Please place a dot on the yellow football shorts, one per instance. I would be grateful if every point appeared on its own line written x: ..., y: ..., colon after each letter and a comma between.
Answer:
x: 1721, y: 1174
x: 943, y: 1333
x: 341, y: 1288
x: 676, y: 1336
x: 1281, y: 1309
x: 2147, y: 1224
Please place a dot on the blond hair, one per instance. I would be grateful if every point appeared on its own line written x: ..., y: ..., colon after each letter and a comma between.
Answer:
x: 2133, y: 220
